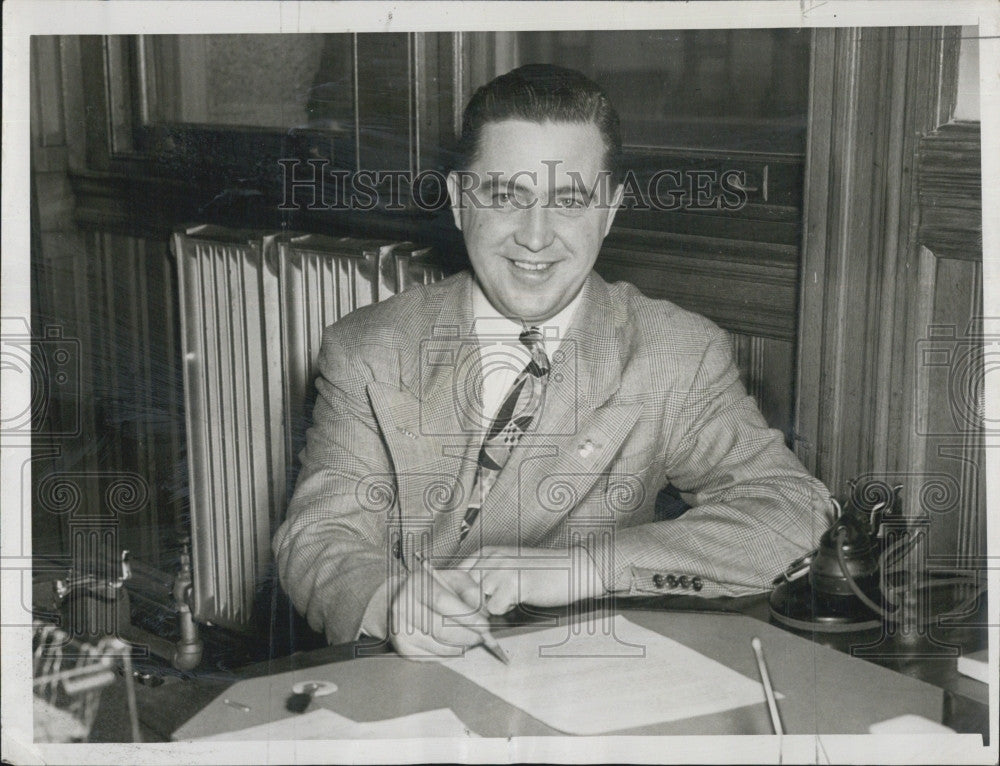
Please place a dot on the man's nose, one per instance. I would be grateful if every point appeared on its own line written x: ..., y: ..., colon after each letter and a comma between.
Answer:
x: 535, y: 231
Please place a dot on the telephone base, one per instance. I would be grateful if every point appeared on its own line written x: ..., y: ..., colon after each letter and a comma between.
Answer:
x: 796, y: 605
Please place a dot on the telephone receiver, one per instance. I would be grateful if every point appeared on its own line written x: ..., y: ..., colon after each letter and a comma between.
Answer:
x: 835, y: 587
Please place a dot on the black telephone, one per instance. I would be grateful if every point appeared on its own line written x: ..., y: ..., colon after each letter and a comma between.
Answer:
x: 856, y: 578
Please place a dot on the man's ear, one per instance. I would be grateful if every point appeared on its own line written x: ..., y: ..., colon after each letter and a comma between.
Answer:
x: 455, y: 197
x: 616, y: 201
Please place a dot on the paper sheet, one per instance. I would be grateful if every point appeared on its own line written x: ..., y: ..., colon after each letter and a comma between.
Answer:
x: 613, y: 675
x: 909, y: 724
x: 325, y: 724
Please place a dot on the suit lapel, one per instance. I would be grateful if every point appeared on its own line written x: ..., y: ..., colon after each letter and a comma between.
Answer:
x: 431, y: 425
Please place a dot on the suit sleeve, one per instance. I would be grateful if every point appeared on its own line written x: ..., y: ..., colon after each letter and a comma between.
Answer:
x: 331, y: 549
x: 754, y: 506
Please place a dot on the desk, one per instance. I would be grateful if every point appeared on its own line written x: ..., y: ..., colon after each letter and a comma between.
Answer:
x: 958, y: 701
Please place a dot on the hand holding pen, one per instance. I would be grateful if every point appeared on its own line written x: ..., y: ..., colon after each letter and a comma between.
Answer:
x: 438, y: 613
x: 489, y: 642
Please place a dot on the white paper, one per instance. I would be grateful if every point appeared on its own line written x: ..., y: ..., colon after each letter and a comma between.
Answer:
x: 909, y: 724
x: 325, y: 724
x: 611, y: 675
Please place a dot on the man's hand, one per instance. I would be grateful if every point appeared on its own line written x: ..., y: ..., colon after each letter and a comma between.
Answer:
x: 428, y: 620
x: 541, y: 576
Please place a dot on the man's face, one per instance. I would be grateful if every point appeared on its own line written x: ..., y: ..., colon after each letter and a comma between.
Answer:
x: 533, y: 208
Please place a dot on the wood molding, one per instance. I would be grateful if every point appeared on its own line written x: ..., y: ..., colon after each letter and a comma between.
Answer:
x: 745, y: 287
x: 950, y: 196
x: 48, y: 124
x: 770, y: 179
x: 715, y: 248
x: 767, y: 371
x: 776, y: 225
x: 948, y: 399
x: 892, y: 237
x: 874, y: 92
x: 141, y: 206
x: 949, y: 184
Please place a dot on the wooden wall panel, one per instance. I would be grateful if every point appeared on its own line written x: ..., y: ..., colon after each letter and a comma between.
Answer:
x: 109, y: 446
x: 383, y: 101
x: 115, y: 299
x: 950, y: 365
x: 891, y: 271
x: 744, y: 286
x: 950, y: 386
x: 56, y: 144
x: 768, y: 372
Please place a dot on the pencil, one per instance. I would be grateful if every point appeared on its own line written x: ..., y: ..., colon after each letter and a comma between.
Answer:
x: 765, y: 679
x: 489, y: 642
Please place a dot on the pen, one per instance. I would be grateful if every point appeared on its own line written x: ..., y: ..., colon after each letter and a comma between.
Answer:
x: 489, y: 642
x: 765, y: 679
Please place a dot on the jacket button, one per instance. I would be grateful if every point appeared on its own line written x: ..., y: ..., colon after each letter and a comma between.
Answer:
x: 658, y: 580
x: 671, y: 581
x: 685, y: 583
x: 397, y: 550
x: 696, y: 583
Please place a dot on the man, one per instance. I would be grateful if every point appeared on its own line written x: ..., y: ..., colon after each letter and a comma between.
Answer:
x: 515, y: 425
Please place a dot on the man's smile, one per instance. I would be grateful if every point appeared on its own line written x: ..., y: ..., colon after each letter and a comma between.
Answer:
x: 536, y: 266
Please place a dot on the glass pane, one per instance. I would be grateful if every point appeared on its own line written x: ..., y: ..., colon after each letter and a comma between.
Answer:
x: 726, y: 88
x: 262, y: 81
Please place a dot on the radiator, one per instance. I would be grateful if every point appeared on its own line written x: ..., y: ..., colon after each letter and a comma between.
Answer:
x: 253, y: 309
x: 323, y: 279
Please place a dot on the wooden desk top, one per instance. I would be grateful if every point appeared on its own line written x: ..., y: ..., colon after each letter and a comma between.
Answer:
x: 164, y: 710
x: 826, y: 691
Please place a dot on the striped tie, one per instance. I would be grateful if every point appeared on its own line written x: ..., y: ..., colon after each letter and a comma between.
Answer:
x: 514, y: 418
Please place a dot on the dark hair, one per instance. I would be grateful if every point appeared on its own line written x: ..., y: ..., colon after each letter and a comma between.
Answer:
x: 540, y: 92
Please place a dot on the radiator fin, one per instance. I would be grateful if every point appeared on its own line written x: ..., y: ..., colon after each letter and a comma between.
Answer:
x: 253, y: 309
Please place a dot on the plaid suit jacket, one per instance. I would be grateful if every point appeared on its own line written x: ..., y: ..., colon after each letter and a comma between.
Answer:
x: 641, y: 394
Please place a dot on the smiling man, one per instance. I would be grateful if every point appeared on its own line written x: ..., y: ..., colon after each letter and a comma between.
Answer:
x: 536, y: 207
x: 514, y: 425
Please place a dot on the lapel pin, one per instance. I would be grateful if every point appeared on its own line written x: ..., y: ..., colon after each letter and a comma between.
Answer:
x: 586, y: 448
x: 408, y: 434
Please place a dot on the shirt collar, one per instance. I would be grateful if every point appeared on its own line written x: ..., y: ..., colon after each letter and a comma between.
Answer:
x: 490, y: 322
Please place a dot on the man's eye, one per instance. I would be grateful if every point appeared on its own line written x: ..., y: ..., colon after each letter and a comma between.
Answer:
x: 511, y: 200
x: 570, y: 203
x: 504, y: 199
